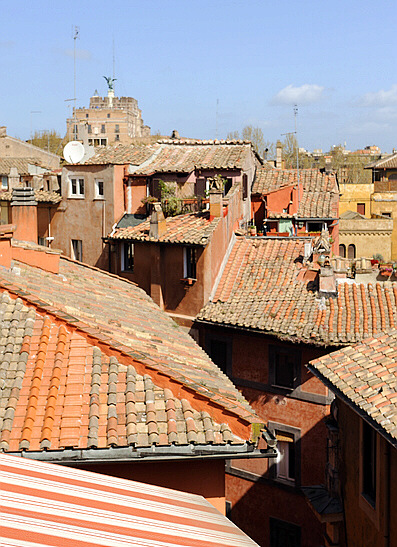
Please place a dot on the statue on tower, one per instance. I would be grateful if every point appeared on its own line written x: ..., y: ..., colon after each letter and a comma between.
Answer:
x: 110, y: 81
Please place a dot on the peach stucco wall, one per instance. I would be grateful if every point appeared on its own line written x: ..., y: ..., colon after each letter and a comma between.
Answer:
x: 206, y: 478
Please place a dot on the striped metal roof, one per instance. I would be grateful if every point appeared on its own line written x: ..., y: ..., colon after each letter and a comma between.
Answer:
x: 47, y: 504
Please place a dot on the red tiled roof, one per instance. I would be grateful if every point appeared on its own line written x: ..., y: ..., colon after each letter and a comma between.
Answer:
x: 121, y: 154
x: 41, y: 196
x: 64, y: 392
x: 320, y: 190
x: 389, y: 162
x: 260, y: 289
x: 48, y: 504
x: 185, y: 156
x: 192, y: 228
x: 22, y: 165
x: 104, y: 311
x: 366, y: 376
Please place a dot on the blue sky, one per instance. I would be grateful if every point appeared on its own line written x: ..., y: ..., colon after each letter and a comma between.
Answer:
x: 335, y: 60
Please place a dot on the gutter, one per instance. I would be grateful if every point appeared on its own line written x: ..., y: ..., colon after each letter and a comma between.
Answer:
x: 70, y: 456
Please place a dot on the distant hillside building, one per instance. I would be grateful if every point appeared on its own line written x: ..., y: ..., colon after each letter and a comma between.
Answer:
x: 108, y: 120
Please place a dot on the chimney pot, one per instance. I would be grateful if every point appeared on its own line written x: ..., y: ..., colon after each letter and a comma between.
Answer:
x: 158, y: 224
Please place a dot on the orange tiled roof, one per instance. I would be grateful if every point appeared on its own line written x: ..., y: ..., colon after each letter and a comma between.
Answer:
x: 42, y: 196
x: 191, y: 228
x: 122, y: 321
x: 59, y: 391
x: 22, y: 165
x: 183, y: 156
x: 121, y: 154
x: 366, y: 376
x: 261, y: 289
x: 320, y: 190
x: 389, y: 162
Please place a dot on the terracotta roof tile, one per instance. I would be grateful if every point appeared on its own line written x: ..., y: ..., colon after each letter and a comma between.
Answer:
x: 366, y: 376
x: 122, y: 154
x: 320, y: 190
x: 191, y: 228
x: 42, y: 196
x: 389, y: 162
x: 260, y: 289
x: 134, y: 327
x: 123, y: 407
x: 186, y: 155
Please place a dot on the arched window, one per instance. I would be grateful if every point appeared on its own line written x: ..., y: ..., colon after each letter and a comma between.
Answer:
x: 351, y: 251
x: 342, y: 250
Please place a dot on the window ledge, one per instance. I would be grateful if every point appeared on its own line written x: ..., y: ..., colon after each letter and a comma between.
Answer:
x: 76, y: 197
x: 98, y: 199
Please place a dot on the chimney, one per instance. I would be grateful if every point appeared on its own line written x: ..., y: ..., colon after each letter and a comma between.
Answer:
x: 157, y: 222
x: 279, y: 155
x: 216, y: 184
x: 175, y: 134
x: 6, y: 233
x: 3, y: 131
x: 328, y: 164
x: 24, y: 214
x: 13, y: 178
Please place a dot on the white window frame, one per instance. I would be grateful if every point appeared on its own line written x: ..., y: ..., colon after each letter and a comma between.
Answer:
x: 99, y: 195
x: 282, y: 461
x: 4, y: 182
x: 76, y: 254
x: 80, y: 188
x: 123, y: 251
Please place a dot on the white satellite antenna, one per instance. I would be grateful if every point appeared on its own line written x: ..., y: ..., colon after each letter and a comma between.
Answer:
x: 73, y: 152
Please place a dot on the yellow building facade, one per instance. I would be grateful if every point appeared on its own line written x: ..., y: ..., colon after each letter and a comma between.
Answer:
x: 355, y: 197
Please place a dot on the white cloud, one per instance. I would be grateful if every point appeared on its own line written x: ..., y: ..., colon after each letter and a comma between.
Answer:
x: 381, y: 98
x: 305, y: 94
x: 82, y: 54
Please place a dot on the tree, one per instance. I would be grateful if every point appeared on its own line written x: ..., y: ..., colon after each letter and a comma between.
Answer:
x: 48, y: 140
x: 255, y: 135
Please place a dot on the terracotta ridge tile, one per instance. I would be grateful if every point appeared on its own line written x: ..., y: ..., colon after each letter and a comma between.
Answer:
x: 34, y: 387
x: 49, y: 414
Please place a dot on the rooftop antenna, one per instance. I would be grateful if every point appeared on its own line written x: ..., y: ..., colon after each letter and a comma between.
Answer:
x: 216, y: 119
x: 76, y: 31
x: 297, y: 160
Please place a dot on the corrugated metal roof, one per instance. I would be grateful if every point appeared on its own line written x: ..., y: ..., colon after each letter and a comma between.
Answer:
x: 47, y: 504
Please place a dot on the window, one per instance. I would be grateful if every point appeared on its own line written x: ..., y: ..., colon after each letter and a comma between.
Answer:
x: 361, y: 208
x: 189, y: 262
x: 342, y: 250
x: 117, y: 128
x: 245, y: 186
x: 228, y: 185
x: 285, y: 463
x: 103, y: 130
x: 103, y: 142
x: 99, y: 193
x: 127, y: 257
x: 108, y: 115
x: 287, y: 467
x: 86, y: 115
x: 89, y: 128
x: 284, y: 366
x: 284, y: 534
x: 315, y: 226
x: 117, y: 137
x: 351, y: 251
x: 76, y: 187
x: 75, y: 132
x: 387, y: 215
x: 77, y: 249
x: 219, y: 348
x: 4, y: 182
x: 369, y: 463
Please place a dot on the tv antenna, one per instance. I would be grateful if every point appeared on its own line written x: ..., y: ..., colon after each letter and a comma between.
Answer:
x: 76, y: 31
x: 297, y: 155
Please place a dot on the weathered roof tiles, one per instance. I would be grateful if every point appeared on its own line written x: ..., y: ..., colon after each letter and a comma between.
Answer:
x: 261, y: 289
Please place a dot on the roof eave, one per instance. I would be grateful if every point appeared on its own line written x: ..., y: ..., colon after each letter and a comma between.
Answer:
x: 129, y: 454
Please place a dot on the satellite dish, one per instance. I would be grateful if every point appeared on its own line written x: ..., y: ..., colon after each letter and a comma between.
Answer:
x: 73, y: 152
